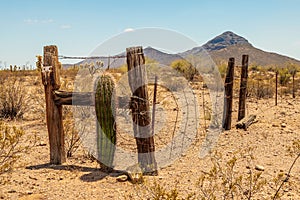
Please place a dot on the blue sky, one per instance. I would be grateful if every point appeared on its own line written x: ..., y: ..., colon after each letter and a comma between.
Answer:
x: 78, y: 26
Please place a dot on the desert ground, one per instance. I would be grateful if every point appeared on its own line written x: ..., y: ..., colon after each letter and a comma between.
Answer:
x: 263, y: 151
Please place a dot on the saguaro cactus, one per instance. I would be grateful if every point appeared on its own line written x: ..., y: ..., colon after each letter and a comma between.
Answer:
x: 106, y: 127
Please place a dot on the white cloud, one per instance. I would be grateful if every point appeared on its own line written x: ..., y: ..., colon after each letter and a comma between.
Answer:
x: 47, y: 21
x: 31, y: 21
x: 65, y: 26
x: 128, y: 30
x: 38, y: 21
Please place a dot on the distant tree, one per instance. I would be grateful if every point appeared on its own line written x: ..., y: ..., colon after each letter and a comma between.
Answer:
x: 184, y: 67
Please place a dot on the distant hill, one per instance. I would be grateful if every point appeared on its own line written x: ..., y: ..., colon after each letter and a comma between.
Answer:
x: 220, y: 48
x: 229, y: 44
x: 161, y: 57
x: 256, y: 56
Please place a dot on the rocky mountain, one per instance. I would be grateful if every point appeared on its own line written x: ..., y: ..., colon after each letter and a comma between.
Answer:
x: 229, y: 44
x: 220, y: 48
x: 225, y: 40
x: 222, y: 41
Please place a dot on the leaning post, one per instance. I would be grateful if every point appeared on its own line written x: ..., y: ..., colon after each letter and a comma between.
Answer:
x: 228, y: 94
x: 243, y: 88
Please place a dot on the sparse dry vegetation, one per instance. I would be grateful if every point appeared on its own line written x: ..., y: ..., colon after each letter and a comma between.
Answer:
x: 13, y: 98
x: 10, y: 148
x: 222, y: 176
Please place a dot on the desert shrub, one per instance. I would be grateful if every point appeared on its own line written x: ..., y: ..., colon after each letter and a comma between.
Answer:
x: 259, y: 89
x: 280, y: 180
x: 13, y: 98
x: 160, y: 193
x: 122, y: 69
x: 256, y: 68
x: 253, y: 68
x: 186, y: 68
x: 10, y: 148
x: 72, y: 138
x: 284, y: 76
x: 264, y: 91
x: 222, y: 181
x: 222, y: 70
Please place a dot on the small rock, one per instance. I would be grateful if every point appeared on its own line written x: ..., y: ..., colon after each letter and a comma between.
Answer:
x: 259, y: 168
x: 29, y: 192
x: 42, y: 144
x: 282, y: 113
x: 122, y: 178
x: 33, y: 178
x: 12, y: 191
x: 275, y: 125
x: 283, y: 125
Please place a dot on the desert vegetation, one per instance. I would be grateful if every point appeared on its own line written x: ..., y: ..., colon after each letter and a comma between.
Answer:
x: 230, y: 172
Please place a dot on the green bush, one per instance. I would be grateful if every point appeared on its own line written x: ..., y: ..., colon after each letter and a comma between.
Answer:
x: 284, y: 76
x: 185, y: 68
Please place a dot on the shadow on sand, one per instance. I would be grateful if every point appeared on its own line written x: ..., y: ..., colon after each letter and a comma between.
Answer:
x: 95, y: 174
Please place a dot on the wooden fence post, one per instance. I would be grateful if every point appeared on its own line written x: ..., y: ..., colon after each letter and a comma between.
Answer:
x: 276, y: 88
x: 141, y: 110
x: 294, y: 89
x: 228, y: 94
x: 243, y: 88
x: 50, y: 79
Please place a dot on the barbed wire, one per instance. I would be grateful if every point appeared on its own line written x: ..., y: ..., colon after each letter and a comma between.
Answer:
x: 90, y: 57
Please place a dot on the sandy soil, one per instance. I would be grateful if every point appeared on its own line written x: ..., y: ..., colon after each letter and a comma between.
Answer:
x: 80, y: 177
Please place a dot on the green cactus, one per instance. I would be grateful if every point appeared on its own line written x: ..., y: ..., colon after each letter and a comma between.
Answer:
x: 106, y: 128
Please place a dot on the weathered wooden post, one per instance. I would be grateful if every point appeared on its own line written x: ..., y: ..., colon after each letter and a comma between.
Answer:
x: 50, y: 79
x: 141, y: 110
x: 276, y: 87
x: 293, y: 72
x: 243, y: 88
x: 228, y: 94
